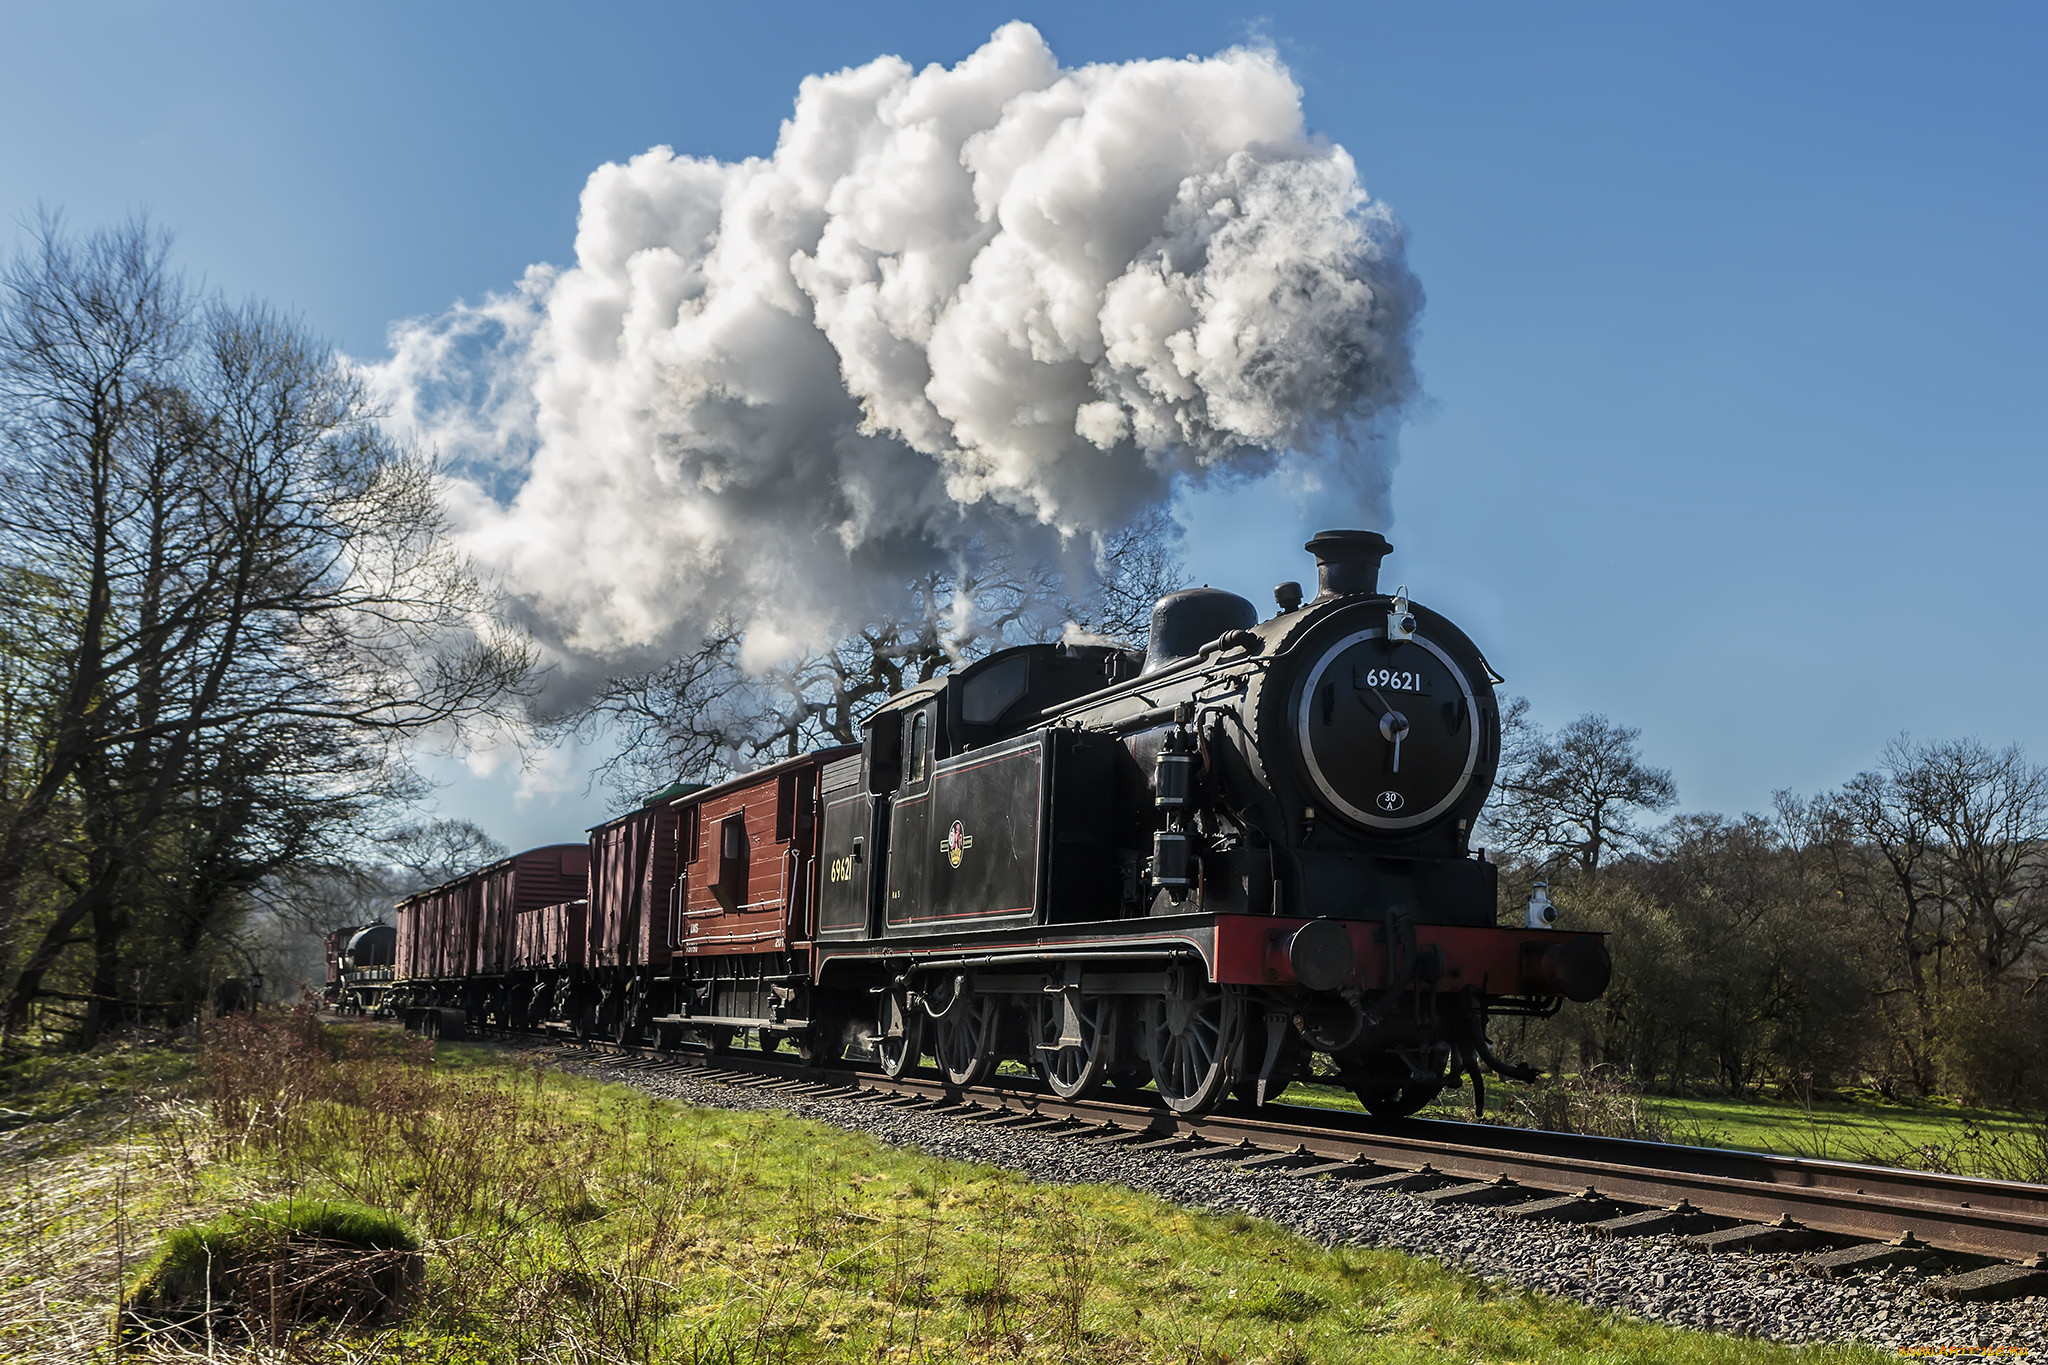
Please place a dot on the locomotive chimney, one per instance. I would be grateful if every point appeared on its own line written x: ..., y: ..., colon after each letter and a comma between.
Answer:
x: 1348, y: 562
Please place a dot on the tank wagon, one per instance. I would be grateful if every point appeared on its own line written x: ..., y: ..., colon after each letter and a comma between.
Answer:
x: 360, y: 967
x: 1231, y: 861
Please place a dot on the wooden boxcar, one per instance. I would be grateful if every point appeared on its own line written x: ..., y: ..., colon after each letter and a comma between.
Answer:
x: 632, y: 886
x: 551, y: 937
x: 457, y: 941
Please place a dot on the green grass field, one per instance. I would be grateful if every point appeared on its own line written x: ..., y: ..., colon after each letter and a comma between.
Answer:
x: 569, y: 1220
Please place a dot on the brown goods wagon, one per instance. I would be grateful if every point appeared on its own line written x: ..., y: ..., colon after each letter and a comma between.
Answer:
x: 496, y: 896
x: 465, y: 927
x: 454, y: 928
x: 526, y: 940
x: 423, y: 920
x: 633, y: 921
x: 407, y: 919
x: 415, y: 938
x: 749, y: 876
x: 450, y: 912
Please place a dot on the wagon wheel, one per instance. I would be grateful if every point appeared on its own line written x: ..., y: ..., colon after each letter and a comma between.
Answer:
x: 898, y: 1031
x: 1396, y: 1102
x: 1076, y: 1069
x: 964, y: 1039
x: 715, y: 1040
x: 1196, y: 1044
x: 1127, y: 1079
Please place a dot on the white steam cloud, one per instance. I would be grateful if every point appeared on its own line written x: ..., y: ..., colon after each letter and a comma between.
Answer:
x: 1000, y: 300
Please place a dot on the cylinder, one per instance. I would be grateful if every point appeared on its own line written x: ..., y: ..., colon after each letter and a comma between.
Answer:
x: 1172, y: 860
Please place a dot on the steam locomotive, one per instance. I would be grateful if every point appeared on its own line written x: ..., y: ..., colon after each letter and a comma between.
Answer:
x: 1233, y: 861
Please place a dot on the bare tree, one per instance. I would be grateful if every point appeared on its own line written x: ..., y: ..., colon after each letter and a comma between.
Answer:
x: 1987, y: 813
x: 427, y: 853
x: 702, y: 715
x: 250, y: 606
x: 1576, y: 795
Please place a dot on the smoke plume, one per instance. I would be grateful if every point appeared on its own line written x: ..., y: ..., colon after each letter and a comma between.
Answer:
x: 999, y: 302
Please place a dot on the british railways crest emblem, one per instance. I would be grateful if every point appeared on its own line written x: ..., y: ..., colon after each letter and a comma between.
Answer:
x: 956, y: 843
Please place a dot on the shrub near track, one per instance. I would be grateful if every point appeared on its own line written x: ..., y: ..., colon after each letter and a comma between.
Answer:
x: 566, y: 1219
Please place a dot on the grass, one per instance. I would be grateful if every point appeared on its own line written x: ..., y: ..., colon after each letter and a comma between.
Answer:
x: 42, y: 1088
x: 1930, y: 1136
x: 564, y: 1219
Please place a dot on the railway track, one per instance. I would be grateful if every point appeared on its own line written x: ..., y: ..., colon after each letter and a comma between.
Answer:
x: 1985, y: 1239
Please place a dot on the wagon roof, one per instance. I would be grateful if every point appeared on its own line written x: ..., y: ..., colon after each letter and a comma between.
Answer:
x: 746, y: 779
x: 489, y: 868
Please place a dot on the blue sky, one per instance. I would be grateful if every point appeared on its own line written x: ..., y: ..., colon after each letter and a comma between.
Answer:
x: 1733, y: 347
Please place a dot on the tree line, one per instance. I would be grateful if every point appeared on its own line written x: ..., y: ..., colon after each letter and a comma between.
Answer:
x: 1892, y: 932
x: 228, y: 607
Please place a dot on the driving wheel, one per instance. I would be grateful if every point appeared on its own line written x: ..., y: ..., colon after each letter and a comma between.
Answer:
x: 1195, y: 1042
x: 898, y: 1031
x: 1074, y: 1037
x: 964, y: 1038
x: 1395, y: 1091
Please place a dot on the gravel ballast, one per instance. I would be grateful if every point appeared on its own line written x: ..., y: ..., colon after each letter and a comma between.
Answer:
x: 1657, y: 1278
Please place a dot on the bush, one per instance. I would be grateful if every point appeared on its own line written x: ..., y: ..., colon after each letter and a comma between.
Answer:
x: 1599, y: 1103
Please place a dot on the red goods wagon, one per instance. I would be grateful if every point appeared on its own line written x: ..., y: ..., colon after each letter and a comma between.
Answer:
x: 334, y: 943
x: 527, y: 881
x: 408, y: 922
x: 416, y: 937
x: 466, y: 928
x: 526, y: 941
x: 633, y: 911
x: 562, y: 934
x: 551, y: 937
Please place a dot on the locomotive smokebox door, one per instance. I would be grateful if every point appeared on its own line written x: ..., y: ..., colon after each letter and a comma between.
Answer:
x: 1388, y: 730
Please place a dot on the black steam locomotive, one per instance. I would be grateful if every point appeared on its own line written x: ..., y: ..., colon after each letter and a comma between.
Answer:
x: 1236, y: 860
x: 360, y: 962
x: 1204, y: 866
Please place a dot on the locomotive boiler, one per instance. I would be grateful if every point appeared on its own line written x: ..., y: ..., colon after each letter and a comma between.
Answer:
x: 1236, y: 860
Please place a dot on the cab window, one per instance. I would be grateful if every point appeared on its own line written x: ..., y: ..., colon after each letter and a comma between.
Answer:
x: 915, y: 743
